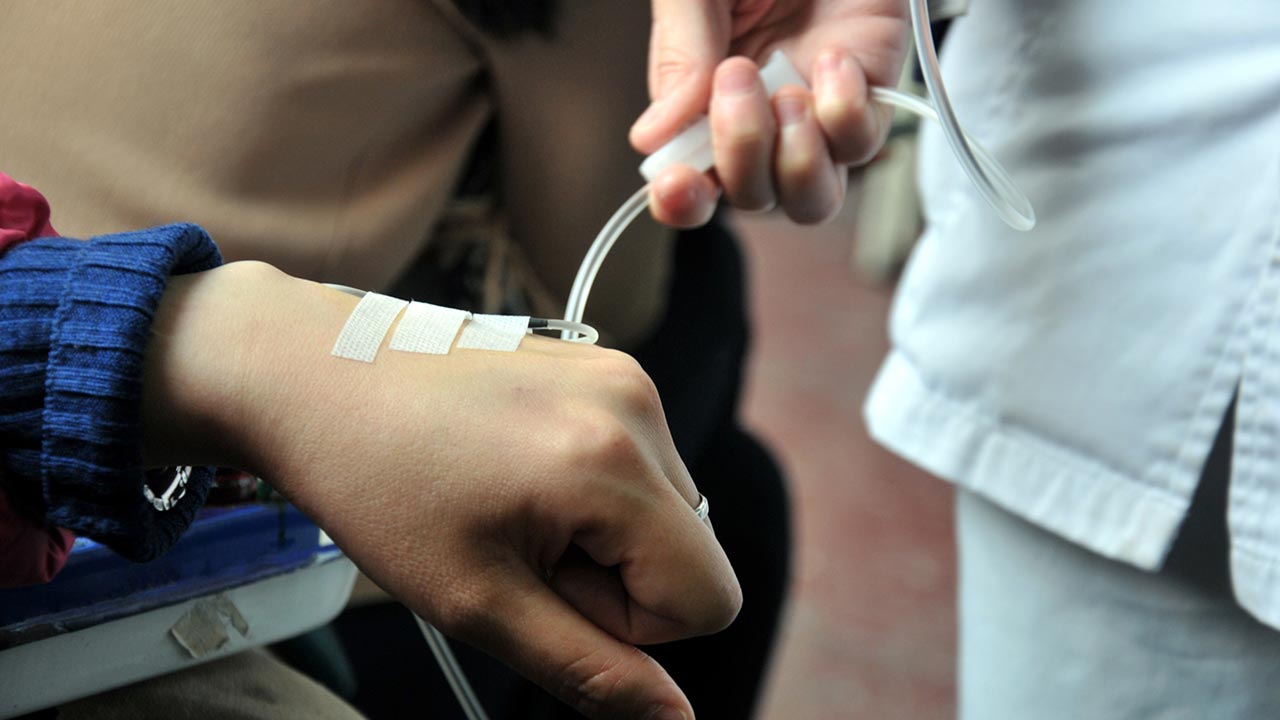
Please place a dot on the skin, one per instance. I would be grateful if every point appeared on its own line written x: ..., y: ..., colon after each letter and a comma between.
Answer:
x: 793, y: 150
x: 529, y: 503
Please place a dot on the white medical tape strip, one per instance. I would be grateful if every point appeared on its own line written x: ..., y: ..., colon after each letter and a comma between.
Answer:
x: 368, y: 325
x: 494, y: 332
x: 427, y: 328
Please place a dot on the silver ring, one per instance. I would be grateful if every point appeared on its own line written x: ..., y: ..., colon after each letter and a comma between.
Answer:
x: 704, y: 507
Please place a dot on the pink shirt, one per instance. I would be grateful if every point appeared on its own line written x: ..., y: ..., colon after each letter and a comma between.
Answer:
x: 30, y: 553
x: 24, y: 213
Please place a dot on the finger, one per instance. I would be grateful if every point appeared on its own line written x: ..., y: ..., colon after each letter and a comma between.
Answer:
x: 688, y: 40
x: 677, y: 580
x: 683, y: 197
x: 810, y: 187
x: 742, y: 135
x: 631, y: 510
x: 600, y: 594
x: 854, y: 127
x: 592, y: 589
x: 534, y: 631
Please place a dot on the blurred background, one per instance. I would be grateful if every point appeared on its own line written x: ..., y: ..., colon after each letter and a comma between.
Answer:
x: 869, y: 629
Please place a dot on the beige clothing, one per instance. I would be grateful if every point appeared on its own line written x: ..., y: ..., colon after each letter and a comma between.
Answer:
x: 325, y: 137
x: 251, y: 685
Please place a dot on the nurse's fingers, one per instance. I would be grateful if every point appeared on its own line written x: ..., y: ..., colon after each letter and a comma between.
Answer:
x: 743, y: 129
x: 687, y: 41
x: 683, y: 197
x: 853, y: 125
x: 810, y: 185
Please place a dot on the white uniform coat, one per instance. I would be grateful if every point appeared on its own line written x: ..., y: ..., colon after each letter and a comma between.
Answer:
x: 1077, y: 374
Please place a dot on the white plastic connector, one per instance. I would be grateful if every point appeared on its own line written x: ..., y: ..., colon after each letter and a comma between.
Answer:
x: 692, y: 147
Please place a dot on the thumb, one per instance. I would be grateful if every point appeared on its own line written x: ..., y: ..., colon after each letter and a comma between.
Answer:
x: 538, y: 634
x: 689, y: 38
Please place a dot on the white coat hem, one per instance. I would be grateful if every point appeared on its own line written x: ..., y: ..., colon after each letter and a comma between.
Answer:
x: 1063, y: 491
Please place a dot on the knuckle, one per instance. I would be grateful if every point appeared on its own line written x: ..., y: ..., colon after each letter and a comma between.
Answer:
x: 596, y: 681
x: 742, y: 132
x: 629, y: 383
x: 611, y: 444
x: 616, y: 361
x: 851, y: 130
x: 840, y: 113
x: 798, y: 164
x: 673, y: 66
x: 722, y: 609
x: 604, y: 434
x: 594, y: 442
x: 730, y: 606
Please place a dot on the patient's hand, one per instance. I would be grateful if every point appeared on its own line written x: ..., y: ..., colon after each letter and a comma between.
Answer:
x: 792, y: 151
x: 530, y: 503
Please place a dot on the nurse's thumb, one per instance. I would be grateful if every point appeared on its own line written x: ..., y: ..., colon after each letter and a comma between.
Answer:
x: 688, y: 40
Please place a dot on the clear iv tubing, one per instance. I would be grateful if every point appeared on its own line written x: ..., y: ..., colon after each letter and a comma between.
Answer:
x: 986, y: 173
x: 991, y: 180
x: 471, y: 706
x: 599, y: 250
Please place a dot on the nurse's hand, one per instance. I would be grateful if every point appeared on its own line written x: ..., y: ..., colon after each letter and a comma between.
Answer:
x: 530, y: 503
x: 793, y: 151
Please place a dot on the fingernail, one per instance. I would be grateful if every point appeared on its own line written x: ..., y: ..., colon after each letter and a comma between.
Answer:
x: 828, y: 69
x: 791, y: 109
x: 737, y: 80
x: 689, y: 196
x: 665, y: 712
x: 830, y: 63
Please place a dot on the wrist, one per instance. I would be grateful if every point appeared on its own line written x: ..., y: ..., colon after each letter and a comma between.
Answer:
x: 229, y: 348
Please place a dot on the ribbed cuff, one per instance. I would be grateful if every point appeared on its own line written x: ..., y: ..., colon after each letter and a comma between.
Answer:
x: 92, y: 472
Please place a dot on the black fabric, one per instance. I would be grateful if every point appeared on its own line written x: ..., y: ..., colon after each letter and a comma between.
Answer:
x: 696, y: 360
x: 1201, y: 554
x: 504, y: 18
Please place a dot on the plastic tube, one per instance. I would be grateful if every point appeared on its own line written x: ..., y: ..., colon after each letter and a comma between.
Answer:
x: 990, y: 178
x: 586, y: 334
x: 448, y: 663
x: 599, y: 250
x: 986, y: 173
x: 996, y: 187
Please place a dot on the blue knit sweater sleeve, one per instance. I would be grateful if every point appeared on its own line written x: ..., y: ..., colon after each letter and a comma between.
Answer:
x: 75, y: 317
